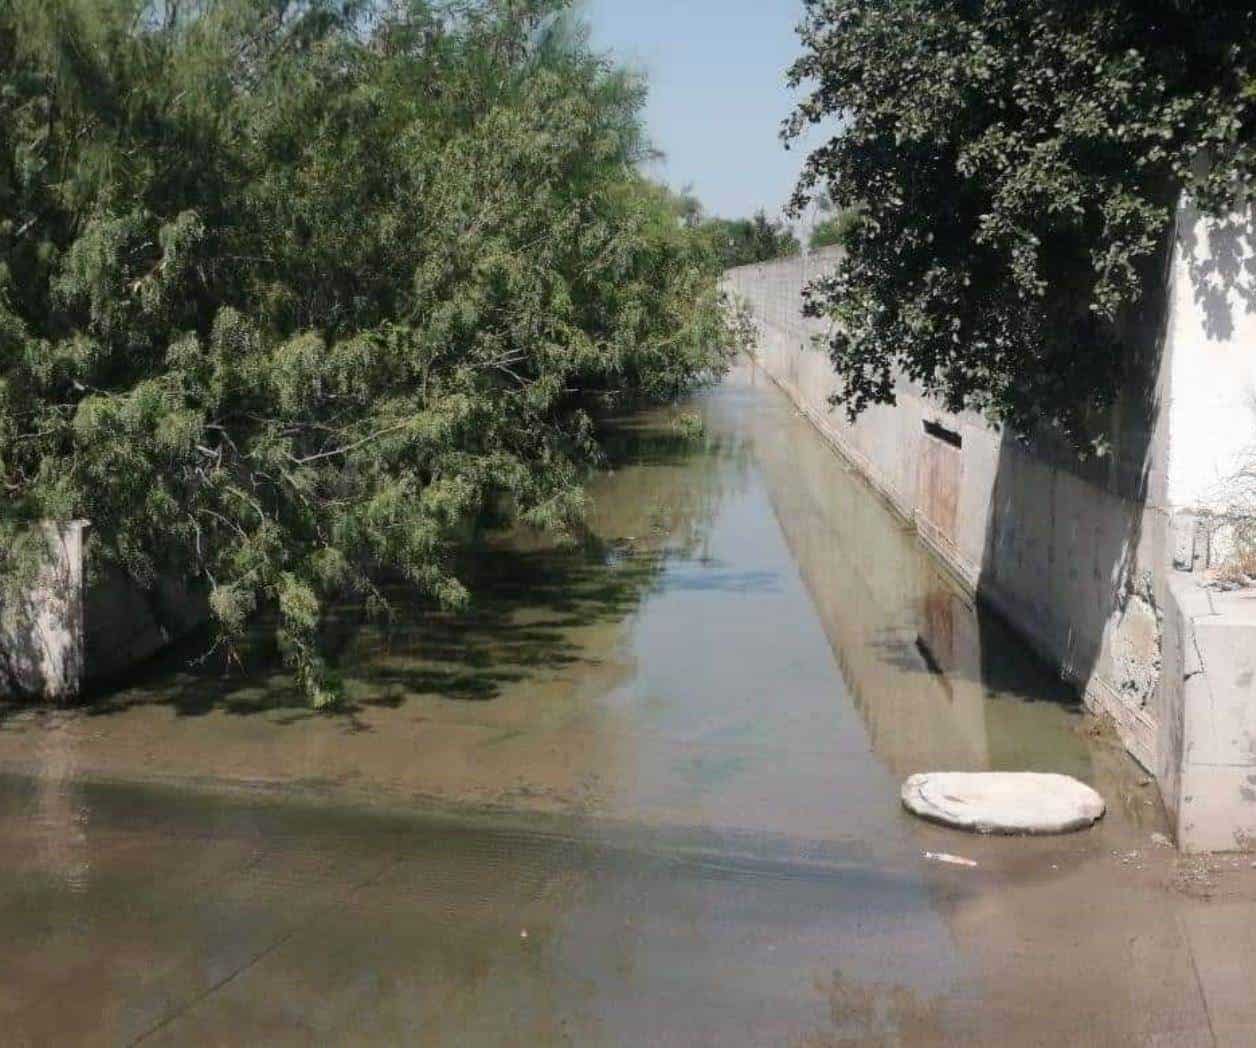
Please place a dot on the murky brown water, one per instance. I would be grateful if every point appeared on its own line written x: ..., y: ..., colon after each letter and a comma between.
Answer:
x: 644, y: 793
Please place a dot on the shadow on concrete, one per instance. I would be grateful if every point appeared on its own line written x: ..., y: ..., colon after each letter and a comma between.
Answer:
x: 1221, y: 270
x: 1076, y: 547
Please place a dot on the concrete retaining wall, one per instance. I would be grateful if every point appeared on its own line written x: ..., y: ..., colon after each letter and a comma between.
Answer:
x: 1077, y: 555
x: 1065, y: 551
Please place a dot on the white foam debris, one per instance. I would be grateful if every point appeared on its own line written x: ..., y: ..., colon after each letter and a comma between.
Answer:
x: 1003, y: 802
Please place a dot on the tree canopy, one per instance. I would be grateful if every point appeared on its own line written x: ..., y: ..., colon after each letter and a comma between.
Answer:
x: 744, y: 241
x: 832, y: 229
x: 1017, y: 164
x: 292, y: 293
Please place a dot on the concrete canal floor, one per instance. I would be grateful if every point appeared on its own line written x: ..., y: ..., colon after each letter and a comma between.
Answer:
x: 645, y: 792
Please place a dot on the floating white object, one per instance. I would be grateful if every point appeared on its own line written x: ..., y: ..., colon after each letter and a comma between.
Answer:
x: 947, y: 857
x: 1003, y: 802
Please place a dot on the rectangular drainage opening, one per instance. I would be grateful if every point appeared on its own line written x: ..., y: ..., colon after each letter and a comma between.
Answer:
x: 940, y: 432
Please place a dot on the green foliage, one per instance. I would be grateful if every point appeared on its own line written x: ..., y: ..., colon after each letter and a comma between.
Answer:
x: 1017, y: 164
x: 744, y: 241
x: 293, y: 294
x: 833, y: 230
x: 689, y: 425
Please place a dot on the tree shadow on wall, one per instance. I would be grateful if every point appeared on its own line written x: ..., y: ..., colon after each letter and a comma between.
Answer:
x: 1077, y: 550
x: 1221, y: 268
x: 1068, y: 546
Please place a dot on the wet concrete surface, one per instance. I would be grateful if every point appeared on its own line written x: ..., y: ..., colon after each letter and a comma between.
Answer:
x: 644, y: 792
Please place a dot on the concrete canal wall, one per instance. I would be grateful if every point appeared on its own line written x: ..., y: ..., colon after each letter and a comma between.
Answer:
x: 1099, y: 564
x: 41, y: 620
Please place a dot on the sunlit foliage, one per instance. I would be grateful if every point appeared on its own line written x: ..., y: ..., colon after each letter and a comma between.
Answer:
x: 744, y: 241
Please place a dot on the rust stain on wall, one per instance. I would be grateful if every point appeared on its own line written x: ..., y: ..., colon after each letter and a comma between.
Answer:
x: 939, y: 479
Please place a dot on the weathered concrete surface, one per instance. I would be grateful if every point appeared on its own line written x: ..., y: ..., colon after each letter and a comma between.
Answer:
x: 1078, y: 555
x: 41, y: 626
x: 192, y: 919
x: 1210, y: 767
x: 1020, y: 803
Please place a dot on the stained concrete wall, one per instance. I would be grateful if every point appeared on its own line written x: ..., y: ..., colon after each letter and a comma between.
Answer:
x: 41, y: 622
x: 1079, y: 555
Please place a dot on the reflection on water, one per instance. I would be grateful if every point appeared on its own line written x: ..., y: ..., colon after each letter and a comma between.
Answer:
x: 669, y: 754
x: 56, y: 827
x: 937, y: 683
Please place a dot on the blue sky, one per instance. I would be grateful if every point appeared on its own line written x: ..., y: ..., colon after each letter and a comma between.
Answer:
x: 716, y: 70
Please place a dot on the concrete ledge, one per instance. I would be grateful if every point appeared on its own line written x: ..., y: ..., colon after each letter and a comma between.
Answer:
x: 1211, y: 760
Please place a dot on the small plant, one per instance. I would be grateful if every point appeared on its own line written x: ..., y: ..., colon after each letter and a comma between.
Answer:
x: 689, y: 425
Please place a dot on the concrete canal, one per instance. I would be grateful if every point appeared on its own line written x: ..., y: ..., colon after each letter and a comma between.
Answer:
x: 644, y: 792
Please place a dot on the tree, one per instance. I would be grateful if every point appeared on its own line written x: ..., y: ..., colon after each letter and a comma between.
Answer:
x: 295, y: 294
x: 833, y: 230
x: 1018, y: 164
x: 744, y: 241
x: 689, y: 208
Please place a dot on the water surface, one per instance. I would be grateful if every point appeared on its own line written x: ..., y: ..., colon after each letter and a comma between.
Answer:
x: 644, y: 791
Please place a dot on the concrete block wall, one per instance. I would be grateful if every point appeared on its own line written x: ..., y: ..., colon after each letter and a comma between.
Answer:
x: 1079, y: 556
